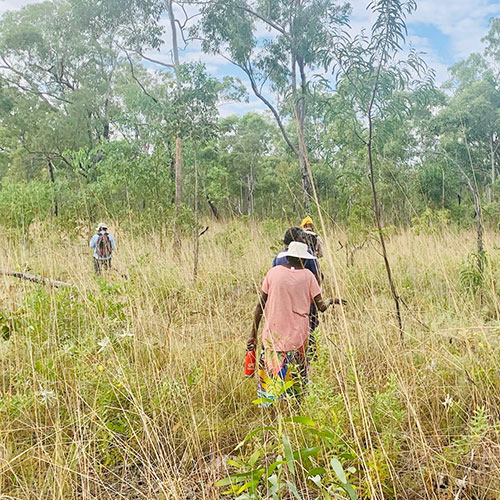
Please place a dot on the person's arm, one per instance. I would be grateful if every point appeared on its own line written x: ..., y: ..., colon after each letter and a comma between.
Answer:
x: 93, y: 241
x: 321, y: 304
x: 113, y: 244
x: 257, y: 317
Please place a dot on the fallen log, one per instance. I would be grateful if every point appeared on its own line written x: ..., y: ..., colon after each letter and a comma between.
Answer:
x: 36, y: 279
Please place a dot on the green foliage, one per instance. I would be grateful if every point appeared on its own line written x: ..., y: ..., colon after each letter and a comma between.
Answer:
x: 271, y: 471
x: 478, y: 427
x: 491, y: 215
x: 7, y: 326
x: 431, y: 221
x: 22, y: 204
x: 472, y: 272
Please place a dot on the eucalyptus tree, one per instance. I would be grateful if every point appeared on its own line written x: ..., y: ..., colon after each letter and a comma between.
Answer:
x: 280, y: 59
x: 492, y: 49
x: 373, y: 73
x: 139, y: 37
x: 245, y: 144
x: 49, y: 50
x: 62, y: 69
x: 467, y: 138
x: 195, y: 105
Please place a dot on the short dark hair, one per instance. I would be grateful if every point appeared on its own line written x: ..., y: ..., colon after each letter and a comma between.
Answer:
x: 296, y: 262
x: 293, y: 234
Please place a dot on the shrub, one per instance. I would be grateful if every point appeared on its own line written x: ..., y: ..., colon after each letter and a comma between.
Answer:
x: 23, y: 203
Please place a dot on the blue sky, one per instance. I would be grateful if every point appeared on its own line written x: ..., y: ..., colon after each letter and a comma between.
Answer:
x: 447, y: 31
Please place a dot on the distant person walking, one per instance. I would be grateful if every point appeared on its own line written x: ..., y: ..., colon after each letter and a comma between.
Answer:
x: 287, y: 293
x: 315, y: 245
x: 296, y: 234
x: 103, y: 244
x: 313, y: 240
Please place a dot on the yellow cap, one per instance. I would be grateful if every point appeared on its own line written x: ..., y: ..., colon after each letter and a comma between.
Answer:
x: 307, y: 221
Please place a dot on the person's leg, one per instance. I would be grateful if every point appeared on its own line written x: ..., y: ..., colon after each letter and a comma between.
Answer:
x: 97, y: 267
x: 312, y: 349
x: 298, y: 366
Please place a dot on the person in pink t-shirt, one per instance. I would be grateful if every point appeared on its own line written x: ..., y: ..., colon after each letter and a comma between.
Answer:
x: 286, y: 297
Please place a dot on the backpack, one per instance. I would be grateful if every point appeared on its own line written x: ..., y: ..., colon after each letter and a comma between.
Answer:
x: 104, y: 247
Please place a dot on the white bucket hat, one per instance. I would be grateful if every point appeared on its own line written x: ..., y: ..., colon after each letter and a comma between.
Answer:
x: 298, y: 250
x: 102, y: 225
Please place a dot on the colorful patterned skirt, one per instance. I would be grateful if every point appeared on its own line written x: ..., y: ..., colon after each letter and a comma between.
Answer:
x: 282, y: 375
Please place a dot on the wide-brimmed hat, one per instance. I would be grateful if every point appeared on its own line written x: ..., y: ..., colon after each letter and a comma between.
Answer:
x: 102, y: 225
x: 298, y: 250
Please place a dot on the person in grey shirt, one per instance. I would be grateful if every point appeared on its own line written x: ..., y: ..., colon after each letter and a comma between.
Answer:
x: 103, y: 244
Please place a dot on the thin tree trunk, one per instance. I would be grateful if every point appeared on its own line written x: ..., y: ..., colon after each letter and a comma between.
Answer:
x: 306, y: 177
x: 376, y: 209
x: 479, y: 225
x: 251, y: 189
x: 196, y: 223
x: 299, y: 111
x: 443, y: 199
x: 178, y: 140
x: 178, y: 172
x: 303, y: 153
x: 479, y: 215
x: 213, y: 208
x: 493, y: 172
x: 106, y: 128
x: 53, y: 181
x: 477, y: 202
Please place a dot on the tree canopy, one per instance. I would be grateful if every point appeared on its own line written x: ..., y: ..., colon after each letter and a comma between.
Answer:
x: 90, y: 113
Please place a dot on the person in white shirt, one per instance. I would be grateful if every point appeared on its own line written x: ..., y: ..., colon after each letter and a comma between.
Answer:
x: 103, y: 244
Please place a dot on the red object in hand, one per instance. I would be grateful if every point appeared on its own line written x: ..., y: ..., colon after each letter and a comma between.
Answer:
x: 250, y: 363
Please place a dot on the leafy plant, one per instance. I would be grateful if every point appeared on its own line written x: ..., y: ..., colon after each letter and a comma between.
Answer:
x: 472, y: 273
x: 431, y: 221
x: 281, y: 470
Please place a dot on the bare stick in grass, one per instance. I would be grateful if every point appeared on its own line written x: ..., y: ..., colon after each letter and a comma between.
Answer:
x: 36, y: 279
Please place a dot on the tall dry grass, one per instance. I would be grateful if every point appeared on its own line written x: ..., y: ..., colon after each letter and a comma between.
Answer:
x: 132, y: 387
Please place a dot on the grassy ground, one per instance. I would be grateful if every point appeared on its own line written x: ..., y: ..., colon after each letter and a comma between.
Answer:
x: 132, y: 387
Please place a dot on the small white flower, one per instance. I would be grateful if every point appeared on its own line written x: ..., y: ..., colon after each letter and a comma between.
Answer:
x: 105, y: 342
x: 448, y: 402
x: 125, y: 334
x: 46, y: 396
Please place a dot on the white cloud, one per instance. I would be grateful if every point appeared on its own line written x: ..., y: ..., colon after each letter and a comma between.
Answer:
x: 238, y: 108
x: 434, y: 60
x: 6, y: 5
x: 461, y: 22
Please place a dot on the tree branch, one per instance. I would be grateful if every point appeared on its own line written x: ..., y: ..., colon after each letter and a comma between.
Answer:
x: 155, y: 61
x: 264, y: 19
x: 36, y: 279
x: 132, y: 72
x: 253, y: 83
